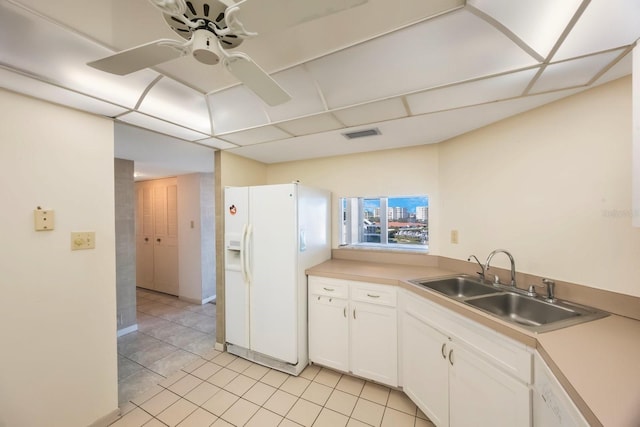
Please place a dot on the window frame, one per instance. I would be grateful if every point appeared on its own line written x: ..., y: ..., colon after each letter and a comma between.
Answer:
x: 353, y: 233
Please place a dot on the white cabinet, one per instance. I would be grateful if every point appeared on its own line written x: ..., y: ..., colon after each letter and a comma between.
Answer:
x: 425, y: 372
x: 353, y: 328
x: 329, y: 324
x: 452, y: 368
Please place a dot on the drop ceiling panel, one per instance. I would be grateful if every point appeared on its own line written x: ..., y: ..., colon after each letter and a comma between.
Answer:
x: 605, y: 24
x: 573, y: 72
x: 454, y: 47
x: 256, y: 136
x: 177, y: 103
x: 216, y: 143
x: 311, y: 124
x: 418, y: 130
x: 620, y: 69
x: 153, y: 152
x: 476, y: 92
x: 236, y: 108
x: 32, y: 87
x: 287, y: 47
x: 37, y: 47
x: 388, y: 109
x: 539, y: 23
x: 305, y: 98
x: 160, y: 126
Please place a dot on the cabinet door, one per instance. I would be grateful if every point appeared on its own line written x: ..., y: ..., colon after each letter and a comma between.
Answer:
x: 374, y: 342
x: 425, y: 368
x: 329, y: 332
x: 480, y: 394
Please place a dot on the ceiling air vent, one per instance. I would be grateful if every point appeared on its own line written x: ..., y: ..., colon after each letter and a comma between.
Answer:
x: 362, y: 133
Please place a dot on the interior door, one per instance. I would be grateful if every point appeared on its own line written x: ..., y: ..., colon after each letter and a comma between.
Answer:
x: 144, y: 237
x: 272, y: 258
x: 165, y: 250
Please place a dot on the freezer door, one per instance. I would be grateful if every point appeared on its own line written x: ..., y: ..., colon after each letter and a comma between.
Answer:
x: 236, y: 294
x: 272, y: 259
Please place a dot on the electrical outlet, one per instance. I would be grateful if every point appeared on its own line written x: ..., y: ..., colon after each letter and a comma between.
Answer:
x: 454, y: 237
x: 83, y: 240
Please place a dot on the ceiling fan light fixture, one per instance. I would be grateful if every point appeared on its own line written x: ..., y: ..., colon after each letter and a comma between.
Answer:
x: 170, y: 7
x: 205, y: 46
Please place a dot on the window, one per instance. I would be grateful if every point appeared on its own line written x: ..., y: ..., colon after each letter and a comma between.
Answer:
x: 400, y: 222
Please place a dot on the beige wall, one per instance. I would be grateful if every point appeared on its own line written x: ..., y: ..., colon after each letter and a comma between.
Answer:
x: 406, y: 171
x: 57, y: 307
x: 552, y: 185
x: 236, y: 171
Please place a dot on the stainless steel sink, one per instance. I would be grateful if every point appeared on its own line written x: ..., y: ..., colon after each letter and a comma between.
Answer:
x: 528, y: 312
x: 460, y: 286
x: 525, y: 311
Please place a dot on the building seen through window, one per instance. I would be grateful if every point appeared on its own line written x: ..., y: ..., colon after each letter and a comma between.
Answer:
x: 391, y: 221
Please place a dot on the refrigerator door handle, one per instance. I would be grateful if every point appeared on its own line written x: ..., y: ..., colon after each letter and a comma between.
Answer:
x: 243, y: 248
x: 247, y: 256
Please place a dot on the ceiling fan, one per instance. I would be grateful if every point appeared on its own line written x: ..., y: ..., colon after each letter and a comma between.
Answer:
x: 211, y: 27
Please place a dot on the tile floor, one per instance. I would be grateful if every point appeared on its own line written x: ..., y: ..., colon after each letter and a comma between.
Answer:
x: 219, y: 389
x: 171, y: 334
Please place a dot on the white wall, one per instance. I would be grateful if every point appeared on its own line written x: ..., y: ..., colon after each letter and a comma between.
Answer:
x: 58, y: 363
x: 196, y: 237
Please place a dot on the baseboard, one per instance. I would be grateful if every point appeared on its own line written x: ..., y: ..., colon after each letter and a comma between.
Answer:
x: 127, y: 330
x: 107, y: 419
x: 198, y: 301
x: 219, y: 347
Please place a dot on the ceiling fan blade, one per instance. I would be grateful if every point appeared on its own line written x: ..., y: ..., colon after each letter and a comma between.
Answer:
x: 140, y: 57
x: 261, y: 16
x: 255, y: 78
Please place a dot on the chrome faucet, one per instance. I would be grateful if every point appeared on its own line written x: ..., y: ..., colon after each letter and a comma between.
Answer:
x: 480, y: 273
x: 513, y: 265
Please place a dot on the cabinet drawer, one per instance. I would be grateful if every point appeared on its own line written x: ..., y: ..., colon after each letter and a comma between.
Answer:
x: 325, y: 286
x: 373, y: 293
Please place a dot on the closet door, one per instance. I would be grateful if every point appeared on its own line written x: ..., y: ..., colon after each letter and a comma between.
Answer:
x: 144, y: 237
x: 165, y: 239
x: 157, y: 235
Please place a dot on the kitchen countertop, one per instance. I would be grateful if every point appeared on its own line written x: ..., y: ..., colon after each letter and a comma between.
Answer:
x: 597, y: 362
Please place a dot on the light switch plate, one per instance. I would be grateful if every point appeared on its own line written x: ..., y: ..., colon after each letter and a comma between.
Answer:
x: 83, y: 240
x: 43, y: 219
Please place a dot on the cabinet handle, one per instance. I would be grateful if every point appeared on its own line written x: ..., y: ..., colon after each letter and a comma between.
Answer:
x: 158, y: 240
x: 146, y: 239
x: 442, y: 350
x: 354, y: 313
x: 373, y: 296
x: 451, y: 357
x: 344, y: 311
x: 329, y: 289
x: 318, y: 298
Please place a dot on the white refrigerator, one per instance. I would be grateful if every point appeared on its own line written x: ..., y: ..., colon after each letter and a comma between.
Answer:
x: 273, y: 233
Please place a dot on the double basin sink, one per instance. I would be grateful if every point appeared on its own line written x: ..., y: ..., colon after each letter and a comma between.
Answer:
x: 531, y: 313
